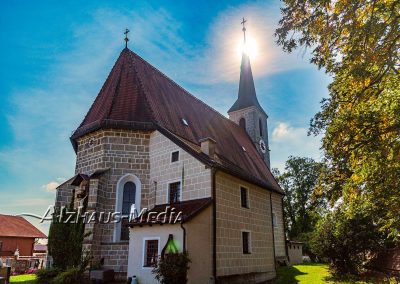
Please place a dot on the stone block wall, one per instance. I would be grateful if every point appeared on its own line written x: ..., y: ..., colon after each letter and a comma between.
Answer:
x: 252, y: 115
x: 123, y: 152
x: 279, y: 229
x: 195, y: 178
x: 232, y: 219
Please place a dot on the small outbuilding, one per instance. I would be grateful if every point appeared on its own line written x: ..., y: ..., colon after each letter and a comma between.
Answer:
x: 17, y: 234
x: 295, y: 252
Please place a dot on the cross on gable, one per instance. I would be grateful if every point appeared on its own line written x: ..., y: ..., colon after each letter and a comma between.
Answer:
x: 126, y: 37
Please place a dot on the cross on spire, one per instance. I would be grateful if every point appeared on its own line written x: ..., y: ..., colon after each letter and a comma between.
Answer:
x: 126, y: 37
x: 244, y: 28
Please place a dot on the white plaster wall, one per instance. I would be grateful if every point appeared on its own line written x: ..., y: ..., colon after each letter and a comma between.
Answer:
x: 295, y: 252
x: 136, y: 254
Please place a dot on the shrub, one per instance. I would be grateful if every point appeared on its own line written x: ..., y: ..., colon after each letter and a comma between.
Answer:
x: 172, y: 268
x: 46, y: 276
x: 70, y: 276
x: 348, y: 241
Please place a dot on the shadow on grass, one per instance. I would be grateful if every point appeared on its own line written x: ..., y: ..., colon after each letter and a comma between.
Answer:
x: 287, y: 275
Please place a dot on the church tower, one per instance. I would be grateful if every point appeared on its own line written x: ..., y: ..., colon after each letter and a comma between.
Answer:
x: 247, y: 111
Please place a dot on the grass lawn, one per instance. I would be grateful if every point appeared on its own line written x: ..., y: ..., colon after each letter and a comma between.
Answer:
x: 312, y: 273
x: 24, y: 279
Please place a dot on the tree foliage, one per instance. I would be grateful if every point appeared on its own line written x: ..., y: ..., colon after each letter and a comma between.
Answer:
x: 348, y: 243
x: 358, y: 44
x: 302, y: 211
x: 66, y: 239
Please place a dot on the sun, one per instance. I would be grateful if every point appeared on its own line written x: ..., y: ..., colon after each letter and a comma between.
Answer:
x: 249, y: 47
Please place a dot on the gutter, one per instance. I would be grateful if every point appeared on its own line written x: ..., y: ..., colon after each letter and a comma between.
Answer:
x: 284, y: 231
x: 214, y: 224
x: 273, y: 230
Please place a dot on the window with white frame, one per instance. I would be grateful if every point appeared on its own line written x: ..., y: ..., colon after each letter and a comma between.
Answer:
x: 174, y: 192
x: 150, y: 252
x: 174, y: 156
x: 246, y: 242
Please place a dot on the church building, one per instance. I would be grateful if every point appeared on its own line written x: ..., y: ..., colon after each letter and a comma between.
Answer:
x: 147, y: 143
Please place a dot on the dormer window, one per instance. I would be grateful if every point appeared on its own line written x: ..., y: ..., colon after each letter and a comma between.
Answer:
x: 175, y: 156
x: 184, y: 121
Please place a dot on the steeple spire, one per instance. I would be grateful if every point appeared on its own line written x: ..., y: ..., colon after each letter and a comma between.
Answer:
x: 246, y: 111
x: 247, y: 92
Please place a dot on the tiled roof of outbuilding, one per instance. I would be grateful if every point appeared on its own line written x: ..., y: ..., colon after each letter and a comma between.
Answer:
x: 137, y: 95
x: 188, y: 209
x: 16, y: 226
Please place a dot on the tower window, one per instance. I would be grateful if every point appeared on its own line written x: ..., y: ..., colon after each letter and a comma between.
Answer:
x: 260, y: 127
x: 242, y: 123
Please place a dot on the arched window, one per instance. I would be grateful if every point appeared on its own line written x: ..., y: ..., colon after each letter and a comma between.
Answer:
x: 128, y: 199
x: 242, y: 123
x: 260, y: 127
x: 128, y: 192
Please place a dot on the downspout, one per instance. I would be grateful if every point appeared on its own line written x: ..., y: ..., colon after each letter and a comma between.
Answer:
x: 284, y: 231
x: 184, y: 237
x: 273, y: 230
x: 214, y: 221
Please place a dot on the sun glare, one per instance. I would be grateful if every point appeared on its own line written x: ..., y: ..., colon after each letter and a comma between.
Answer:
x: 250, y: 48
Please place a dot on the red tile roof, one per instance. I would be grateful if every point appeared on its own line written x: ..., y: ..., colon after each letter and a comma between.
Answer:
x: 16, y: 226
x: 189, y: 209
x: 137, y: 95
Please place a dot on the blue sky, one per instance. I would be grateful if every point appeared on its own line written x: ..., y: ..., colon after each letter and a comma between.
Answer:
x: 57, y: 54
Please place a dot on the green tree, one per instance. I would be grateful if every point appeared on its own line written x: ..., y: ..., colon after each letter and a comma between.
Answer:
x: 66, y: 238
x: 346, y: 242
x: 358, y: 44
x: 302, y: 211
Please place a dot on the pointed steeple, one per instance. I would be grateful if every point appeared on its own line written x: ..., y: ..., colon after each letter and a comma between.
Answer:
x: 247, y: 111
x: 247, y: 92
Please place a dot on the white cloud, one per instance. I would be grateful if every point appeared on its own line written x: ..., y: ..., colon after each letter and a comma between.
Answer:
x: 281, y: 131
x: 287, y: 140
x: 51, y: 186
